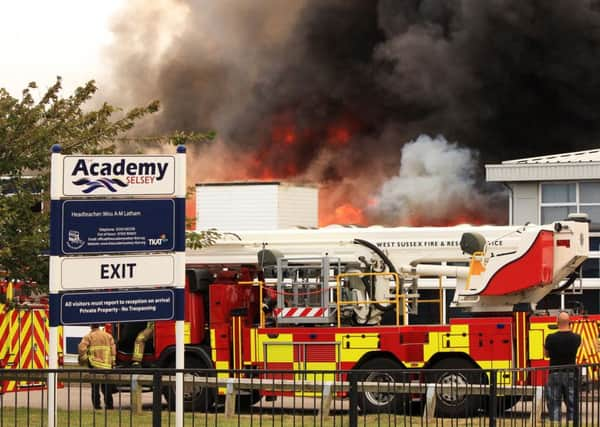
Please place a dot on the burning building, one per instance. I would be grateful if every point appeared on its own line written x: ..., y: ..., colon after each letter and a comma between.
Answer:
x: 391, y: 107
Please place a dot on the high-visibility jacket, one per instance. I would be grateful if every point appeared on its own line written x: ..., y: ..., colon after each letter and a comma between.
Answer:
x: 140, y: 342
x: 98, y: 350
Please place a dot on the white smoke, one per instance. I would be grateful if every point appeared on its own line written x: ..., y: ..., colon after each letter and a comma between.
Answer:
x: 435, y: 182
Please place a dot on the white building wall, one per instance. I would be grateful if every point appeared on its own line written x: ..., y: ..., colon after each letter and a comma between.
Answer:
x: 298, y: 206
x: 255, y: 206
x: 236, y: 207
x: 525, y: 202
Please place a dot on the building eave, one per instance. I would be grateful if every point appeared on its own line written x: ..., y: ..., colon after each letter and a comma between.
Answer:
x: 514, y: 172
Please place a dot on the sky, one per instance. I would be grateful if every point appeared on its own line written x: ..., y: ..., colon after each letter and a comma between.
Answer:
x: 41, y: 39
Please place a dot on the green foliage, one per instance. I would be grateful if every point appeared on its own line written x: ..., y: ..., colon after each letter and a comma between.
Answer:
x: 183, y: 138
x: 201, y: 239
x: 28, y: 129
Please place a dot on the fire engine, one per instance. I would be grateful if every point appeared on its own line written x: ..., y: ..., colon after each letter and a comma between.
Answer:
x: 23, y: 332
x: 339, y: 299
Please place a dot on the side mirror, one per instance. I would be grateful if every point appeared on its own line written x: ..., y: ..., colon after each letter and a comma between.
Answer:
x: 472, y: 242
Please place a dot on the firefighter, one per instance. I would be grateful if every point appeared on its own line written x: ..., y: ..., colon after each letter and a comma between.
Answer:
x: 97, y: 350
x: 140, y: 343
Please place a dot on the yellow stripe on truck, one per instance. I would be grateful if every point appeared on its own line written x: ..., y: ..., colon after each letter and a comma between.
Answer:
x: 354, y: 346
x: 279, y: 348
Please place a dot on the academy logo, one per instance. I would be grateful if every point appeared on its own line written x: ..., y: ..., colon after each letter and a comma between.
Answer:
x: 116, y: 175
x: 155, y: 170
x: 108, y: 183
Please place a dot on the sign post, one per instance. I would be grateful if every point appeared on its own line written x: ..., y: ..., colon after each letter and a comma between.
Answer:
x: 180, y: 188
x: 117, y: 223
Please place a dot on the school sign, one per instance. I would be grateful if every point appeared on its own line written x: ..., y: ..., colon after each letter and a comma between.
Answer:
x: 117, y: 245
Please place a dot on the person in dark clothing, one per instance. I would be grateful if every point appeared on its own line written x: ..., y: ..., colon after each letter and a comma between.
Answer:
x: 561, y: 347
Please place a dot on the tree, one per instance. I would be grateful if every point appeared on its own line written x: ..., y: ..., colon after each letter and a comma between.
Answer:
x: 28, y: 129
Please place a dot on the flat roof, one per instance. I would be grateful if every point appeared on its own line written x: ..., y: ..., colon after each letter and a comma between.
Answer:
x: 575, y: 156
x: 577, y: 165
x: 248, y: 183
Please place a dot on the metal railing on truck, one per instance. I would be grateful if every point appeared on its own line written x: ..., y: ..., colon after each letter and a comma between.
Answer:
x: 403, y: 303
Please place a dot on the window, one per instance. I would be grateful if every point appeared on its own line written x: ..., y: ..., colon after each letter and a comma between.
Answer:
x: 589, y: 199
x: 589, y: 192
x: 554, y: 213
x: 549, y: 302
x: 559, y: 193
x: 558, y: 200
x: 588, y: 302
x: 591, y: 268
x: 594, y: 244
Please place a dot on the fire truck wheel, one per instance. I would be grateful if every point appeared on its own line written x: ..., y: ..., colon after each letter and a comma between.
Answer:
x: 199, y: 397
x: 451, y: 401
x: 382, y: 370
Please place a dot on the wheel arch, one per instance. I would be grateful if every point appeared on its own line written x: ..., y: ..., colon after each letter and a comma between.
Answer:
x: 167, y: 357
x: 442, y: 355
x: 367, y: 357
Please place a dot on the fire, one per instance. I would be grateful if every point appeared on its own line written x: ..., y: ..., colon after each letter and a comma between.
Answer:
x: 456, y: 219
x: 292, y: 151
x: 349, y: 214
x: 284, y: 135
x: 338, y: 136
x: 291, y: 169
x: 190, y: 211
x: 341, y: 131
x: 267, y: 174
x: 372, y: 202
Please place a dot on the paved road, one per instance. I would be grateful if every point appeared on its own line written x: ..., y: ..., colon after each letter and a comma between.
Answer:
x: 72, y: 397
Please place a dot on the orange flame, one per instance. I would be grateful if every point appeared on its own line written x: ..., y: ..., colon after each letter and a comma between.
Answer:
x: 267, y: 174
x: 284, y: 135
x: 338, y: 136
x: 457, y: 218
x: 348, y: 214
x: 285, y: 154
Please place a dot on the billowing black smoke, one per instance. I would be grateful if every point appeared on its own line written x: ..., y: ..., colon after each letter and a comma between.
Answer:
x: 279, y: 80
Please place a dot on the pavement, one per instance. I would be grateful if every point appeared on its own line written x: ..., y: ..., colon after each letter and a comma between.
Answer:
x: 70, y: 397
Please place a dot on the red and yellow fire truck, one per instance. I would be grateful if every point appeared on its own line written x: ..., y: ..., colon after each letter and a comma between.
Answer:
x: 339, y: 300
x: 23, y: 333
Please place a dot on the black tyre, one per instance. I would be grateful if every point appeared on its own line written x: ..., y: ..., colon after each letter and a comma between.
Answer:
x: 453, y: 374
x: 382, y: 370
x: 197, y: 396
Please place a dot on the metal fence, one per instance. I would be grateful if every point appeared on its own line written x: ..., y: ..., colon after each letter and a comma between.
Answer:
x: 145, y: 397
